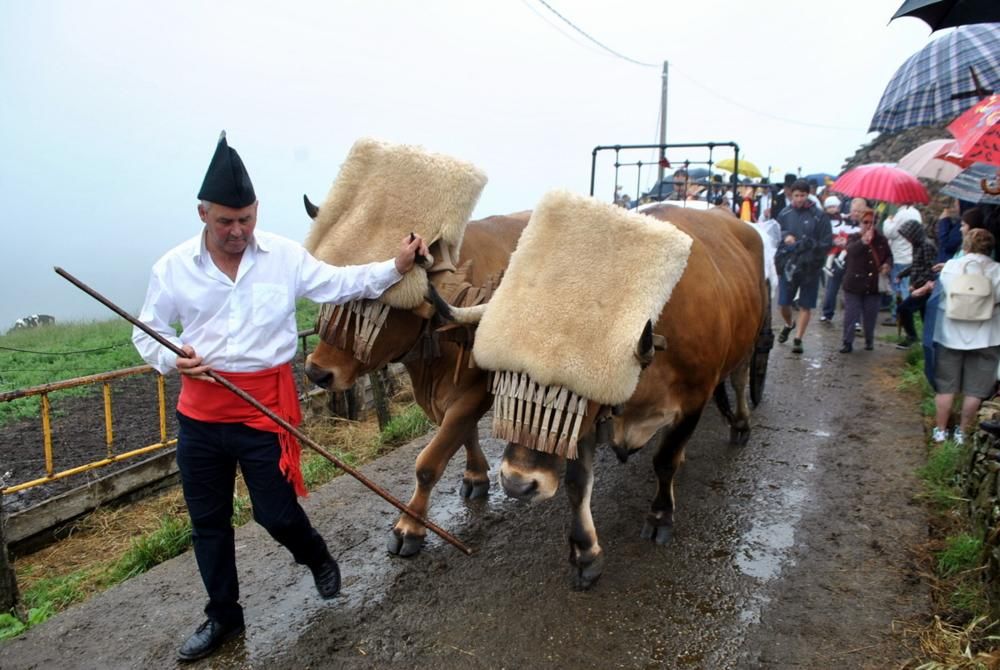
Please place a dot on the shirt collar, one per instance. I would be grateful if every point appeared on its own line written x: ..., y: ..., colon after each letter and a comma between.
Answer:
x: 200, y: 251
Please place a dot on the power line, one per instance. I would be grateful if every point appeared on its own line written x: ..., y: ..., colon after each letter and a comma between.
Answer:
x: 708, y: 89
x: 598, y: 43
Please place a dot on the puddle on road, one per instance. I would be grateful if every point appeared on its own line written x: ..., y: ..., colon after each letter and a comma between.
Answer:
x: 762, y: 550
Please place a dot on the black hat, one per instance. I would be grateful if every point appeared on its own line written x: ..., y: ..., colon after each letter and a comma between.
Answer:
x: 790, y: 178
x: 227, y: 182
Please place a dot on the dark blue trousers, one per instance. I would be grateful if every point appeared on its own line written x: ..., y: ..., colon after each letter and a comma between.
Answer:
x: 207, y: 455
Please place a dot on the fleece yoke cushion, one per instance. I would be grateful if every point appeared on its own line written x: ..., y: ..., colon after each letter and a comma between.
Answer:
x: 583, y: 281
x: 385, y: 191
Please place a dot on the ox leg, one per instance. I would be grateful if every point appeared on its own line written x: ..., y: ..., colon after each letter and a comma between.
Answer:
x: 585, y: 553
x: 408, y: 535
x: 476, y: 480
x: 659, y: 524
x: 739, y: 424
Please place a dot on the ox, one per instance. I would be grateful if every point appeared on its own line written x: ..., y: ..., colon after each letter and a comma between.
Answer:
x: 453, y: 393
x: 711, y: 325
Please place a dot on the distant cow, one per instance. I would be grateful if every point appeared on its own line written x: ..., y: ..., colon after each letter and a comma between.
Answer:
x: 33, y: 321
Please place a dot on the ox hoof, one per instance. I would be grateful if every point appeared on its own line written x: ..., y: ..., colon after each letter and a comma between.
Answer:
x: 585, y: 575
x: 473, y: 490
x: 660, y: 534
x: 404, y: 545
x: 739, y: 437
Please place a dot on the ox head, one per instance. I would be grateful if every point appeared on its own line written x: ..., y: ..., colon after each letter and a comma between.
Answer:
x: 360, y: 337
x: 543, y: 425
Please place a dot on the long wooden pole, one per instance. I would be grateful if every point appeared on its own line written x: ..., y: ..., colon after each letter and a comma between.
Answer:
x: 385, y: 495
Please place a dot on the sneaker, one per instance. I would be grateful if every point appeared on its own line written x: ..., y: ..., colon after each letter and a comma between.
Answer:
x: 958, y: 437
x: 824, y: 319
x: 939, y: 435
x: 796, y: 346
x: 890, y: 322
x: 847, y: 348
x: 857, y: 328
x: 785, y: 332
x: 906, y: 343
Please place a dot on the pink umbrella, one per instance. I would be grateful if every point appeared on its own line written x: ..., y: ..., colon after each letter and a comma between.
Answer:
x: 925, y: 161
x: 881, y: 181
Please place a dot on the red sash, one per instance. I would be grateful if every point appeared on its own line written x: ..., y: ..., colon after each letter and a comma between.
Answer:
x: 274, y: 388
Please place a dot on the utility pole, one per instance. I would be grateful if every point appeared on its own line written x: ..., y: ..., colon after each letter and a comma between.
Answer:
x: 663, y: 122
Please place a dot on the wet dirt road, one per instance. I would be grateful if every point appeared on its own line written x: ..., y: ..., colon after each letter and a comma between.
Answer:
x: 792, y: 552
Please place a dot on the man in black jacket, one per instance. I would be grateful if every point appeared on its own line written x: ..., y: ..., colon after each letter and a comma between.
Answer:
x: 806, y: 238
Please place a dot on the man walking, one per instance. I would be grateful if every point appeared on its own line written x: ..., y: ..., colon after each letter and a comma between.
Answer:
x: 233, y: 288
x: 806, y: 239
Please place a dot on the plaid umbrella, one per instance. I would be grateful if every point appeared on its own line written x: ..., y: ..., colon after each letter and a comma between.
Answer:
x: 968, y: 185
x: 940, y: 81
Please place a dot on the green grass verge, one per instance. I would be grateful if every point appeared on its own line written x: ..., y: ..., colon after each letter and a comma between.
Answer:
x: 408, y: 425
x: 962, y: 552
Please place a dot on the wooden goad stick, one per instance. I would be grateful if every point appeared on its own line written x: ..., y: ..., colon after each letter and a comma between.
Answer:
x: 385, y: 495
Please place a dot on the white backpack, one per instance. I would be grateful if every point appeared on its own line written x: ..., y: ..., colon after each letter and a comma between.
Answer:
x: 970, y: 296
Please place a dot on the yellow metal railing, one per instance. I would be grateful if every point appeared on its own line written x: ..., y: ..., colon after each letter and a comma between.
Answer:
x: 105, y: 379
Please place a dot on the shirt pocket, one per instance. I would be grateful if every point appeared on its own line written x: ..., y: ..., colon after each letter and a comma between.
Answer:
x: 271, y: 304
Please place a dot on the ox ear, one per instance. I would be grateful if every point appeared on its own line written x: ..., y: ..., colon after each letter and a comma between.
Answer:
x: 311, y: 209
x: 644, y: 349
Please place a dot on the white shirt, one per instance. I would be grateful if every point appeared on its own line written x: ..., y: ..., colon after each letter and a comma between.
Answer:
x: 248, y: 324
x: 967, y: 334
x: 902, y: 250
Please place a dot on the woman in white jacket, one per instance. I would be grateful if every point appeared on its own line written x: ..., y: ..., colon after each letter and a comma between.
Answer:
x: 967, y: 352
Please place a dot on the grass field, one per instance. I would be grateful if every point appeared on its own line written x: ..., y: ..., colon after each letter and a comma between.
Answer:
x: 62, y: 351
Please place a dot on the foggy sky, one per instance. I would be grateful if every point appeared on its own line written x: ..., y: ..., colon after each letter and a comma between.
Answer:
x: 110, y: 111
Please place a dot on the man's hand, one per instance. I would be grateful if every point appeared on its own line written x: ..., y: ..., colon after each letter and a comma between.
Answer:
x: 412, y: 245
x: 789, y: 239
x: 923, y: 290
x: 191, y: 365
x: 937, y: 267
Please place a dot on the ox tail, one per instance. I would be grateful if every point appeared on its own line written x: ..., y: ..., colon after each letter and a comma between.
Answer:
x: 722, y: 401
x: 452, y: 314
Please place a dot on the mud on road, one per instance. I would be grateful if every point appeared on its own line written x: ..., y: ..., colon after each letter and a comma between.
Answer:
x: 794, y: 551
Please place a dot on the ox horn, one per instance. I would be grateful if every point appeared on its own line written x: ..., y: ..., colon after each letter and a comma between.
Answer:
x: 311, y: 209
x: 644, y: 350
x: 451, y: 313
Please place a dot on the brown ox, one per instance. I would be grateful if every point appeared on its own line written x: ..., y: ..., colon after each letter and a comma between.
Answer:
x: 453, y: 394
x: 711, y: 324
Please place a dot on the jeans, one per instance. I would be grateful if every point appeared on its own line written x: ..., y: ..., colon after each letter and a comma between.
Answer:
x: 207, y: 454
x: 833, y: 283
x: 899, y: 286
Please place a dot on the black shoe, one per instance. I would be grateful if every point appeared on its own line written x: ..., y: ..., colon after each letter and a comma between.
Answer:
x: 906, y: 343
x: 847, y: 348
x: 327, y: 577
x: 207, y: 638
x: 785, y: 332
x: 796, y: 346
x: 889, y: 322
x: 869, y: 346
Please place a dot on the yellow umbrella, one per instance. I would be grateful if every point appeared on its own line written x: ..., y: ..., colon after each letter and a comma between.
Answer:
x: 747, y: 169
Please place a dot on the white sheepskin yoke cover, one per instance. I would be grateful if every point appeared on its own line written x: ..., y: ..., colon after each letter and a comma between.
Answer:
x: 383, y: 192
x: 583, y: 281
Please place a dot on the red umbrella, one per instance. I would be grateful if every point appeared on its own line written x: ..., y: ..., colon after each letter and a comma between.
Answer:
x: 881, y: 181
x: 977, y: 132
